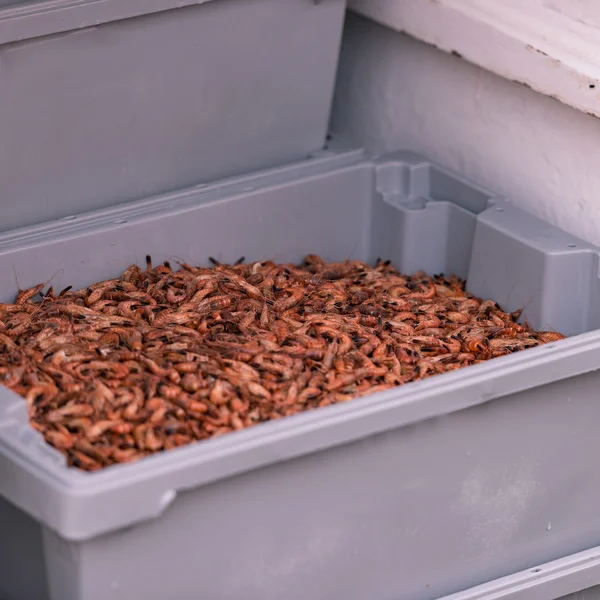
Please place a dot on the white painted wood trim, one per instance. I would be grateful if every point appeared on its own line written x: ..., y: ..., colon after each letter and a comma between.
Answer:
x: 552, y: 46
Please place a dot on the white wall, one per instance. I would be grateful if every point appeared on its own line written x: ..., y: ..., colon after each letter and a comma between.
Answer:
x: 395, y: 92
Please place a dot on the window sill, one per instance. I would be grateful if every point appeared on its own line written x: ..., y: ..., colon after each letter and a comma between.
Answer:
x: 527, y: 41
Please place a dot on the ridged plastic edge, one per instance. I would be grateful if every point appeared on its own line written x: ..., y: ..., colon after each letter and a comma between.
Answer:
x: 568, y: 575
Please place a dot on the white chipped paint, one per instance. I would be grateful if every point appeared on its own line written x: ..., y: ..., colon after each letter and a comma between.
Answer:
x: 395, y: 92
x: 551, y: 45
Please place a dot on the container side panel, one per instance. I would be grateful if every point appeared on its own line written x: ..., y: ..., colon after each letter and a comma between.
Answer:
x: 593, y: 320
x: 508, y: 271
x: 571, y: 282
x: 424, y: 217
x: 22, y: 560
x: 102, y: 115
x: 523, y: 263
x: 393, y: 178
x: 434, y: 237
x: 406, y: 175
x: 414, y: 238
x: 65, y: 570
x: 447, y: 187
x: 388, y: 228
x: 357, y: 521
x: 461, y: 231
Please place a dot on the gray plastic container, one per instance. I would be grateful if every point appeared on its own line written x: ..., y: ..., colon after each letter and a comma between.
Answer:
x: 105, y: 101
x: 413, y: 493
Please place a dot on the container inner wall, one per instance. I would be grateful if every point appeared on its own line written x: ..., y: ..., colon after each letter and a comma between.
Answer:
x: 22, y: 558
x: 328, y: 214
x: 523, y: 263
x: 403, y: 209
